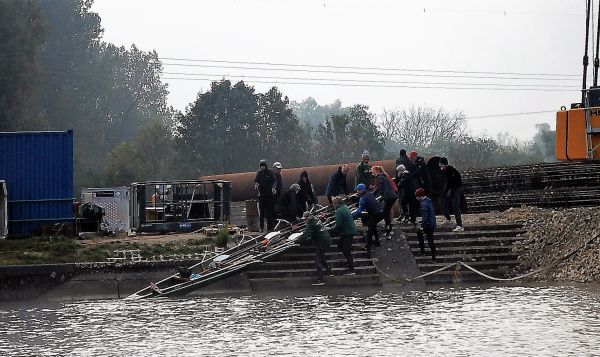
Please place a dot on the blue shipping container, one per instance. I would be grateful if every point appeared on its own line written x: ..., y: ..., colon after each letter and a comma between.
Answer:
x: 38, y: 170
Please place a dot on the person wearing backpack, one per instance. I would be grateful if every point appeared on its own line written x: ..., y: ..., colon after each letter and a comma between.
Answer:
x: 315, y: 231
x: 387, y: 189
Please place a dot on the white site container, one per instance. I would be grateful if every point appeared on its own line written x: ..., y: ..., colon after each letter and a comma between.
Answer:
x: 115, y: 201
x: 3, y: 210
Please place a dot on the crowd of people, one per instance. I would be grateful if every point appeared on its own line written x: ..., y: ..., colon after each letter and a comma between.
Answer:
x: 377, y: 193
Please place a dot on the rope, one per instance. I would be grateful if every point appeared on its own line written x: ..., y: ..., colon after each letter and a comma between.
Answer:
x: 409, y: 280
x: 537, y: 271
x: 432, y: 272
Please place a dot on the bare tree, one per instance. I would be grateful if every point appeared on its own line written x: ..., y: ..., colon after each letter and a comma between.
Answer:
x: 388, y: 123
x: 422, y: 127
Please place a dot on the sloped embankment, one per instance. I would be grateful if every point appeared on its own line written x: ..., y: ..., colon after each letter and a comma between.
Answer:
x: 568, y: 237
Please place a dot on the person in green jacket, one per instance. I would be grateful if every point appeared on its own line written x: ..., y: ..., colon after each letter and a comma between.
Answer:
x: 346, y: 229
x: 363, y: 171
x: 315, y: 230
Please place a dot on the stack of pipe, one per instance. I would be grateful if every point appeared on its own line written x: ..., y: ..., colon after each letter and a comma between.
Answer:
x: 560, y: 184
x: 242, y: 184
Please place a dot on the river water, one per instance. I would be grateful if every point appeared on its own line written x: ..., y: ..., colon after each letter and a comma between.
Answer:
x: 500, y: 321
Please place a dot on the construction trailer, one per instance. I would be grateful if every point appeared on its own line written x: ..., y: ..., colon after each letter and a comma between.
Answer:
x: 37, y: 167
x: 178, y: 206
x: 3, y: 210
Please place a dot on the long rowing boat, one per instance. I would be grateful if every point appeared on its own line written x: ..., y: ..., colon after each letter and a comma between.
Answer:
x: 262, y: 248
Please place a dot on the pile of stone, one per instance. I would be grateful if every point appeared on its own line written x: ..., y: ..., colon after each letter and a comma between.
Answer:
x: 567, y: 240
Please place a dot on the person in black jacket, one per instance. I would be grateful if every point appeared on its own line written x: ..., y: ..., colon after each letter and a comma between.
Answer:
x: 405, y: 160
x: 287, y: 206
x: 306, y: 196
x: 279, y: 181
x: 406, y: 189
x: 388, y: 194
x: 452, y: 193
x: 265, y: 183
x: 337, y: 184
x: 422, y: 177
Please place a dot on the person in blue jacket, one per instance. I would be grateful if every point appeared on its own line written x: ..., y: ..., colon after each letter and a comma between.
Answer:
x: 428, y: 223
x: 368, y: 203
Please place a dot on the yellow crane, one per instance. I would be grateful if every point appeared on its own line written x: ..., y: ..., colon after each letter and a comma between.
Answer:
x: 578, y: 128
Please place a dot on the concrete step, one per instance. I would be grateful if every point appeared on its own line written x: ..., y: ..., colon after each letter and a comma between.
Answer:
x: 486, y: 241
x: 306, y: 282
x: 480, y: 265
x: 309, y: 264
x: 469, y: 234
x: 333, y: 255
x: 472, y: 249
x: 311, y: 249
x: 468, y: 228
x: 309, y: 272
x: 467, y: 258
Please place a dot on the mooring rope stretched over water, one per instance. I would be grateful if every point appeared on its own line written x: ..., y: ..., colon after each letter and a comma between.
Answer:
x: 537, y: 271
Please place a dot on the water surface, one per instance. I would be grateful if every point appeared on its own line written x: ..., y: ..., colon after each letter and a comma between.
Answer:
x: 516, y: 321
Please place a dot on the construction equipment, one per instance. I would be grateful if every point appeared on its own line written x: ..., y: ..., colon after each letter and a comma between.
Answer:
x: 178, y: 206
x: 578, y: 128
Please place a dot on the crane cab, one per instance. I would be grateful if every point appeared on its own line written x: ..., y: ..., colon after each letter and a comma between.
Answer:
x: 578, y: 130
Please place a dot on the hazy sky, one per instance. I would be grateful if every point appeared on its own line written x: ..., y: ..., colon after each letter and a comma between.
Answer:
x: 540, y: 42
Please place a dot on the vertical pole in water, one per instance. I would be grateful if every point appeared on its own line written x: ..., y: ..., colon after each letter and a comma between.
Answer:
x: 585, y: 55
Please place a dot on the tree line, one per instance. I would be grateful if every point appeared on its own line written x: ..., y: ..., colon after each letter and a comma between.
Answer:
x: 57, y: 73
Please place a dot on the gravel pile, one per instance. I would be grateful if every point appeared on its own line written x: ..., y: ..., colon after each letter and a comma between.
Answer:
x: 554, y: 234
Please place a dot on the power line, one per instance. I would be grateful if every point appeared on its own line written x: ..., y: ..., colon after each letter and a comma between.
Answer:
x: 510, y: 114
x: 384, y: 86
x: 361, y: 72
x: 363, y: 68
x: 370, y: 81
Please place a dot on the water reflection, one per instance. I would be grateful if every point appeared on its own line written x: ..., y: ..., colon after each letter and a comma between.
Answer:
x: 458, y: 322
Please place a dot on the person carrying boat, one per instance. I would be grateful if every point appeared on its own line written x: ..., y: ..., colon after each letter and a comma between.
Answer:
x: 346, y: 229
x: 287, y: 206
x: 337, y: 184
x: 315, y: 231
x: 387, y: 189
x: 306, y: 196
x: 367, y: 202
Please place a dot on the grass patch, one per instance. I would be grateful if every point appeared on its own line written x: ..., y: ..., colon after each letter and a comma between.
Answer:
x: 48, y: 250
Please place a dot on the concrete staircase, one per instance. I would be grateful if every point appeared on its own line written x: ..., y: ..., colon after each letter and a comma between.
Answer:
x: 296, y: 269
x: 487, y: 248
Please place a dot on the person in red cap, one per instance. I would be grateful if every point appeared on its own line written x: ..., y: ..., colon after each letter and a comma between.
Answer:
x: 428, y: 223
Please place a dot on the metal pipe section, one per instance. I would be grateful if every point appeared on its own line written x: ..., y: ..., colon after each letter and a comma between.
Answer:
x: 242, y: 184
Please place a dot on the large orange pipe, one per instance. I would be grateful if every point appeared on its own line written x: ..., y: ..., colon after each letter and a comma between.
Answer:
x: 242, y: 184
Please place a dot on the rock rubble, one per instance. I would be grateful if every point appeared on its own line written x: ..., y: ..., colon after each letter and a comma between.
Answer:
x: 565, y: 240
